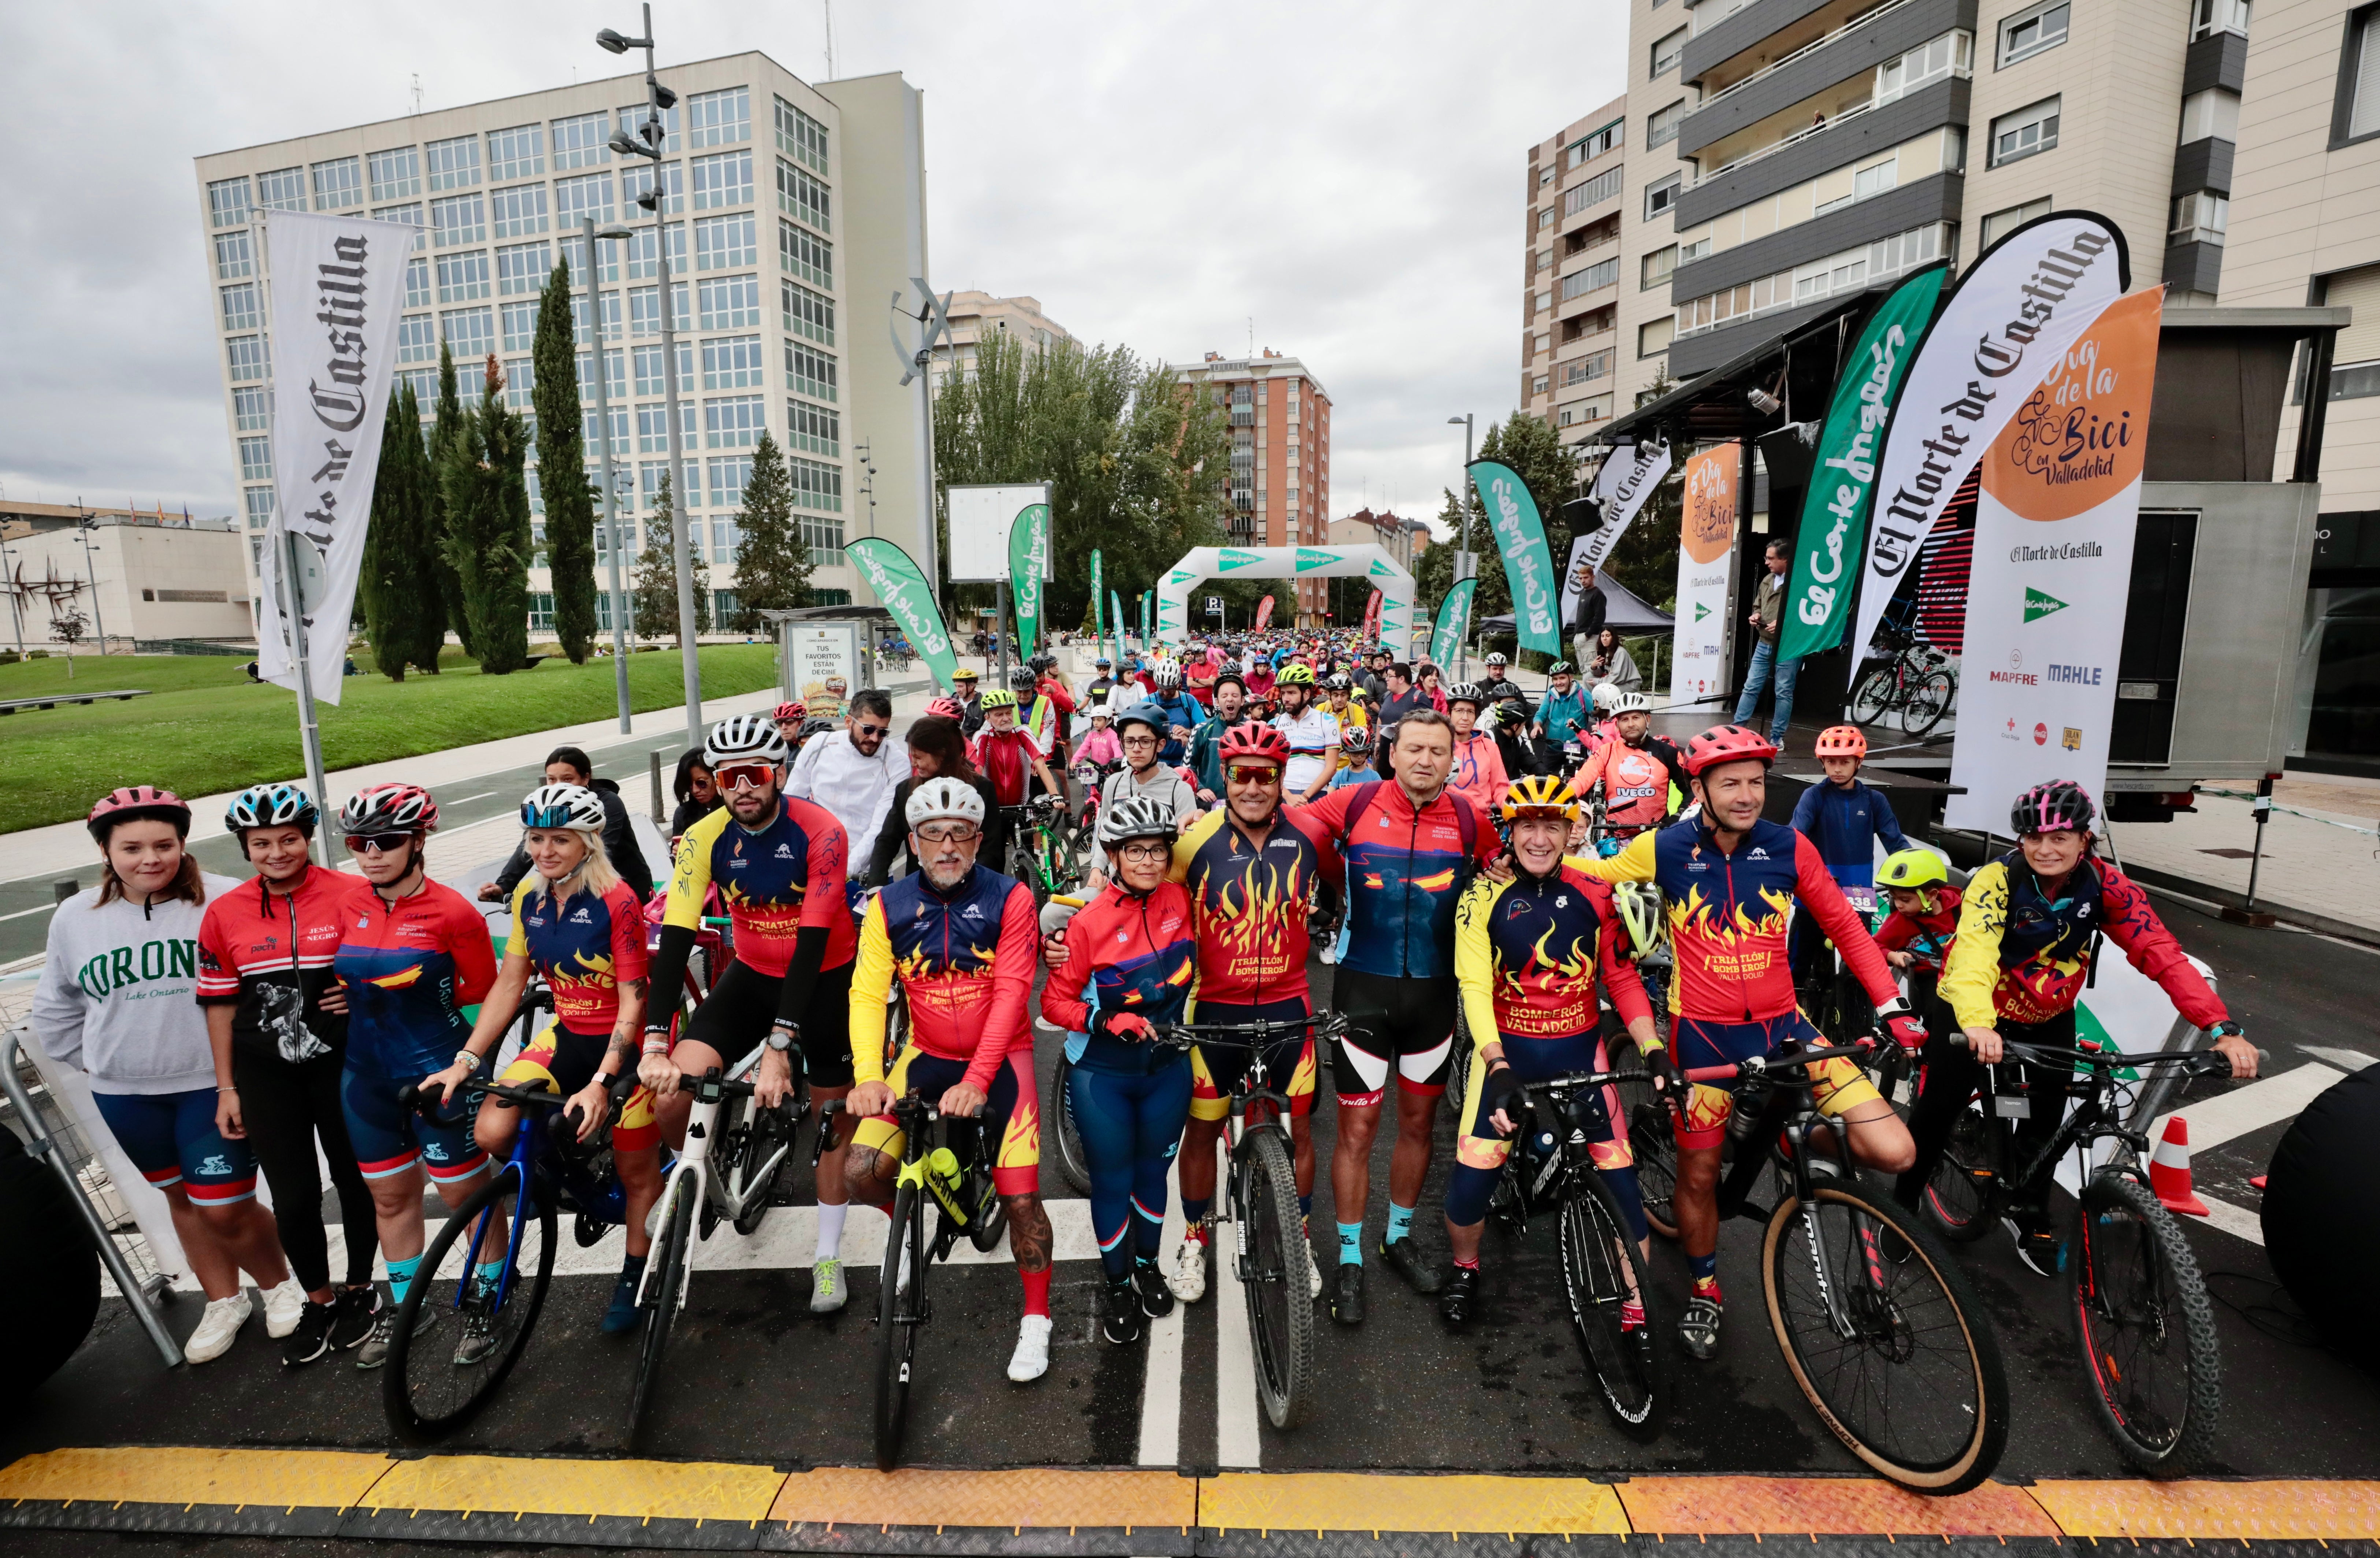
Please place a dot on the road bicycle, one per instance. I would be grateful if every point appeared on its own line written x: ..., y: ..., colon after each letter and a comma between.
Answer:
x: 1916, y: 682
x: 955, y: 1176
x: 2140, y: 1311
x: 1041, y: 853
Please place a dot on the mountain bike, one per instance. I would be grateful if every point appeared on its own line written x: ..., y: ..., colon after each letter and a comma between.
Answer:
x: 1877, y: 1327
x: 958, y: 1180
x: 1073, y: 1163
x: 1041, y: 854
x: 1916, y: 681
x: 2142, y: 1315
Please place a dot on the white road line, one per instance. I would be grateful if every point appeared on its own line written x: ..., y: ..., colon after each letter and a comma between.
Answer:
x: 2238, y: 1221
x: 481, y: 796
x: 2217, y: 1119
x: 2346, y: 1060
x: 1237, y: 1443
x: 38, y: 908
x: 1161, y: 1388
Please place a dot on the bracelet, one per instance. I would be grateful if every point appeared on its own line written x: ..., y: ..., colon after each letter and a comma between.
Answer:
x: 657, y: 1046
x: 468, y: 1061
x: 229, y: 1090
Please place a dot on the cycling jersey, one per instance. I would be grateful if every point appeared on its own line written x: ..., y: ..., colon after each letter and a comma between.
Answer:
x: 1366, y: 774
x: 775, y: 881
x: 1635, y: 780
x: 1006, y: 757
x: 268, y: 956
x: 1405, y: 868
x: 1526, y: 952
x: 1249, y: 903
x: 1926, y: 937
x: 1845, y: 821
x: 1564, y: 713
x: 586, y: 946
x: 1313, y: 742
x: 2020, y: 957
x: 1478, y: 773
x: 964, y: 959
x: 409, y: 969
x: 1136, y: 950
x: 1180, y: 710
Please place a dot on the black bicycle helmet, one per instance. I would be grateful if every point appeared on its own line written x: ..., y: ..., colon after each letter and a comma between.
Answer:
x: 2050, y: 805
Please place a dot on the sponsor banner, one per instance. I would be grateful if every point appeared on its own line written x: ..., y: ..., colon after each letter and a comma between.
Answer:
x: 1372, y: 618
x: 897, y: 581
x: 1147, y: 610
x: 1706, y: 610
x: 1627, y: 479
x: 1529, y: 566
x: 338, y: 282
x: 1453, y: 622
x: 1835, y: 508
x: 2055, y: 519
x: 1028, y: 564
x: 1264, y: 614
x: 2004, y: 328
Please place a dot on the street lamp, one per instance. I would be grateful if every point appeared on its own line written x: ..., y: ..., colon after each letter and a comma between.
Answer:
x: 647, y: 144
x: 1463, y: 566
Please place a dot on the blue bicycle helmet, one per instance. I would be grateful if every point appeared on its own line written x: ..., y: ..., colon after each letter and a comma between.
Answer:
x: 272, y: 805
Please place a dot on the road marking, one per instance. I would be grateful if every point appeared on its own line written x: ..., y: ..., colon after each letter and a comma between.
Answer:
x: 2238, y: 1221
x: 38, y: 908
x: 2346, y: 1060
x: 1161, y: 1385
x: 2219, y: 1118
x: 481, y: 796
x: 1237, y: 1443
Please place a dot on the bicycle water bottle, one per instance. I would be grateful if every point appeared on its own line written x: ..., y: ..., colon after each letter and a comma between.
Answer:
x: 942, y: 1179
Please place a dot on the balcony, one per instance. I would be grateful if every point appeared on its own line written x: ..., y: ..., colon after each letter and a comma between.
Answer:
x: 1865, y: 19
x: 1872, y: 129
x: 1902, y: 47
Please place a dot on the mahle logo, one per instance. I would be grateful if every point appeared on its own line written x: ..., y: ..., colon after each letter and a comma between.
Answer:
x: 2038, y: 604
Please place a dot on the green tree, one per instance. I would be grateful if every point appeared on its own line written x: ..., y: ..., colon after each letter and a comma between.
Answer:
x: 403, y: 616
x: 656, y: 577
x: 772, y: 563
x: 562, y: 464
x: 489, y: 537
x: 440, y: 522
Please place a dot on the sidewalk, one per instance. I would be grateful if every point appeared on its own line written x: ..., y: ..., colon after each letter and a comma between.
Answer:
x: 2329, y: 875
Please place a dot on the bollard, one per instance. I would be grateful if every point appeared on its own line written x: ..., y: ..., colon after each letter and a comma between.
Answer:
x: 654, y: 758
x: 64, y: 888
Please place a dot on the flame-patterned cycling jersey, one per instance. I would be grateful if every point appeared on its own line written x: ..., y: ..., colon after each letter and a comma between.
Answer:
x: 586, y: 946
x: 409, y: 969
x: 1135, y: 952
x: 2024, y: 957
x: 1250, y: 899
x: 775, y: 881
x: 1729, y: 915
x: 1405, y: 871
x: 1526, y: 952
x: 1636, y: 781
x: 964, y: 962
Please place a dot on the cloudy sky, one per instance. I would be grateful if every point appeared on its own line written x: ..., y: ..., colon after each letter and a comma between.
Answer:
x: 1348, y: 176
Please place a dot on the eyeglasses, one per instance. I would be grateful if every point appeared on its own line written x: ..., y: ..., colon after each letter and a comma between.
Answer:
x: 949, y: 833
x: 1140, y: 740
x: 1147, y: 854
x: 744, y: 775
x: 876, y: 730
x: 375, y: 843
x: 1255, y: 774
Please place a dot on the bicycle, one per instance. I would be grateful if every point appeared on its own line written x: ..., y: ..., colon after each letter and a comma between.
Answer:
x: 960, y: 1186
x: 1039, y: 854
x: 2142, y: 1314
x: 1073, y: 1163
x: 1916, y: 680
x: 1872, y: 1317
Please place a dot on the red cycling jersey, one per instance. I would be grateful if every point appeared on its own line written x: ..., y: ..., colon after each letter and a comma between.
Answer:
x: 1006, y: 757
x: 269, y: 954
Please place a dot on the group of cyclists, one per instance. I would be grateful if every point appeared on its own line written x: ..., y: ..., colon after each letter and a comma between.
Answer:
x: 230, y: 1027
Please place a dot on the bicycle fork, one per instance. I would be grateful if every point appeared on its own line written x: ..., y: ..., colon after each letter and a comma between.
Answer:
x: 1839, y: 1316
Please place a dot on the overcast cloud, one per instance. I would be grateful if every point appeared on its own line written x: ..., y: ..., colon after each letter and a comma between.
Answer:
x: 1349, y: 176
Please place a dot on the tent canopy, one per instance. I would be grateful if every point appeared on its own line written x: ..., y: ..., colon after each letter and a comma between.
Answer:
x: 1621, y: 610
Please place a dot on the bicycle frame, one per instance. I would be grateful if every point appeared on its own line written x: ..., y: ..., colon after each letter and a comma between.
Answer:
x: 694, y: 1161
x: 2088, y: 1124
x: 539, y: 1167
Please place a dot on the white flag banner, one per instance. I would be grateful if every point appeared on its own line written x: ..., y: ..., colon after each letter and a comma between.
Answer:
x: 1706, y: 610
x: 2005, y: 327
x: 2055, y: 519
x: 1627, y: 479
x: 337, y: 282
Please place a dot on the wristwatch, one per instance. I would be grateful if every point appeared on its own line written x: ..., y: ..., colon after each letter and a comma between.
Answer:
x: 782, y: 1036
x: 2226, y: 1028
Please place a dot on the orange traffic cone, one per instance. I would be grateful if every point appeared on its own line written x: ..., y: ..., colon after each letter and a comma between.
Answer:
x: 2169, y: 1171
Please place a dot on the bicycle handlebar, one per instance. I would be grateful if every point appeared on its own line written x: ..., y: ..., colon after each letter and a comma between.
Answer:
x: 2206, y: 1063
x: 1182, y: 1035
x: 1761, y: 1065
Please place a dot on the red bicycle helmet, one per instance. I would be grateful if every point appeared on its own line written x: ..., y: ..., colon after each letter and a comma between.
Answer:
x: 1727, y: 743
x: 1841, y: 741
x: 945, y: 709
x: 1249, y: 739
x: 2050, y: 805
x: 135, y: 803
x: 794, y: 711
x: 386, y: 810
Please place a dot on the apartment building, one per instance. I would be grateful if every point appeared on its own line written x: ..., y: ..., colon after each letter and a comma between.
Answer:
x: 1404, y: 539
x: 1280, y: 477
x: 497, y: 191
x: 1571, y: 261
x: 975, y: 315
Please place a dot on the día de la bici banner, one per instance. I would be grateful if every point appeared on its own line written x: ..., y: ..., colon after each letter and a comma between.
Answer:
x: 889, y: 572
x: 2059, y: 502
x: 1453, y: 622
x: 1626, y: 480
x: 1706, y: 574
x: 2005, y: 327
x: 1028, y: 564
x: 338, y: 284
x: 1529, y: 566
x: 1834, y: 511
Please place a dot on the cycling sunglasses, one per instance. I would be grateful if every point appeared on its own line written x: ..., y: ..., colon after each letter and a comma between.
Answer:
x: 744, y: 775
x: 375, y: 844
x: 1253, y: 773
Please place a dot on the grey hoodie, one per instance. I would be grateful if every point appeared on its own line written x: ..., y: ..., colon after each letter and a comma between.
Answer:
x: 119, y: 994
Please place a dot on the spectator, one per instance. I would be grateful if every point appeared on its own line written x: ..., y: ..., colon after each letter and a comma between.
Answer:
x: 1588, y: 621
x: 962, y: 687
x: 1767, y: 616
x: 568, y: 765
x: 936, y: 750
x: 1609, y: 660
x: 853, y: 772
x: 697, y: 795
x: 1432, y: 690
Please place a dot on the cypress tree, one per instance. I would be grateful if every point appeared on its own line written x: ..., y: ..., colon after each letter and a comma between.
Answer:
x: 440, y: 525
x: 772, y: 564
x: 403, y: 615
x: 489, y: 540
x: 562, y: 463
x: 656, y: 576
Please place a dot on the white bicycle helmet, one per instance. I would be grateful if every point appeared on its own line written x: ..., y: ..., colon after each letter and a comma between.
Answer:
x: 744, y: 736
x: 1607, y: 697
x: 1135, y: 817
x: 562, y: 806
x: 1167, y: 675
x: 1497, y: 661
x: 943, y: 801
x: 1631, y: 703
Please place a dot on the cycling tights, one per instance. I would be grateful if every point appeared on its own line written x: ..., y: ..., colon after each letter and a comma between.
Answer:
x: 1131, y: 1126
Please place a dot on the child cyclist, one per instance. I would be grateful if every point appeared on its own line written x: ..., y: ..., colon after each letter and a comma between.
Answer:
x: 1355, y: 747
x: 1844, y: 817
x: 1915, y: 937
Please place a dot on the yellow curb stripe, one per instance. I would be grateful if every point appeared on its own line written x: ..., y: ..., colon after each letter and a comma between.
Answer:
x: 1831, y: 1505
x: 329, y: 1478
x: 1329, y: 1501
x: 2275, y: 1511
x: 1048, y: 1497
x: 649, y: 1489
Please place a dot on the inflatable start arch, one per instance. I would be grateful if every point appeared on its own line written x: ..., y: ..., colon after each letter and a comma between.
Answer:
x: 1367, y: 562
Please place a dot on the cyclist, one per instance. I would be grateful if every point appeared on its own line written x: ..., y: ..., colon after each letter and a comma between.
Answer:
x: 1182, y: 715
x: 970, y: 701
x: 1479, y: 775
x: 781, y: 864
x: 1008, y: 754
x: 1410, y: 845
x: 1103, y: 680
x: 960, y: 938
x: 1731, y: 878
x: 1231, y: 694
x: 1343, y: 704
x: 1261, y: 675
x: 936, y: 750
x: 1915, y: 937
x: 115, y: 1002
x: 278, y: 1023
x: 412, y: 954
x: 1562, y: 712
x: 1496, y: 681
x: 1526, y: 952
x: 581, y: 929
x: 1844, y: 817
x: 1637, y: 771
x: 1355, y: 745
x: 1140, y: 730
x: 1132, y: 946
x: 2028, y: 929
x: 1312, y: 734
x: 789, y: 719
x: 1097, y: 747
x: 853, y: 772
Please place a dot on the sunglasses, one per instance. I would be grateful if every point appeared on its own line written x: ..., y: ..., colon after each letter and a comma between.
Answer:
x: 1253, y: 773
x: 744, y: 775
x: 876, y: 730
x: 375, y: 844
x: 949, y: 833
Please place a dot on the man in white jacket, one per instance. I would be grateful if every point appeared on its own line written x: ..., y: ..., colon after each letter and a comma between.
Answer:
x: 852, y: 773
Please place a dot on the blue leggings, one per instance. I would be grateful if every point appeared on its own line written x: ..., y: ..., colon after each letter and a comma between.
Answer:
x: 1131, y: 1127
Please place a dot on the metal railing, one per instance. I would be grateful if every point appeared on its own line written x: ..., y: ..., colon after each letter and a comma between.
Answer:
x: 1804, y: 51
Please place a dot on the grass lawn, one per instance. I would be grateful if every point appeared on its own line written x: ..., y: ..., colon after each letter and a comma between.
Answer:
x: 206, y: 728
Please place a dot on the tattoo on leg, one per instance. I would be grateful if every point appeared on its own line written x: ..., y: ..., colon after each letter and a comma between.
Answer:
x: 1029, y: 1235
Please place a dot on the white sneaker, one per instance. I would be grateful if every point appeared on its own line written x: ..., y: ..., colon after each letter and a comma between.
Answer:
x: 217, y: 1327
x: 1187, y: 1273
x: 1031, y: 1358
x: 1313, y: 1273
x: 283, y: 1308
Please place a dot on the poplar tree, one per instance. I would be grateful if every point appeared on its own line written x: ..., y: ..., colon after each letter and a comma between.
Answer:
x: 656, y: 577
x: 561, y: 465
x: 403, y: 614
x: 772, y: 563
x: 488, y: 540
x: 441, y: 523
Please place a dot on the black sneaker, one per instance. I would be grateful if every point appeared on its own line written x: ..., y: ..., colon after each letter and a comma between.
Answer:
x: 1406, y: 1260
x: 1699, y: 1330
x: 1456, y: 1298
x: 312, y: 1337
x: 1122, y: 1322
x: 352, y: 1315
x: 478, y: 1337
x: 1347, y: 1301
x: 1156, y: 1298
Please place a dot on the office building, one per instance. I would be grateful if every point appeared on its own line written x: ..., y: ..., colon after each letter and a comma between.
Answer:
x: 135, y: 577
x: 1280, y: 477
x: 762, y: 286
x: 975, y: 315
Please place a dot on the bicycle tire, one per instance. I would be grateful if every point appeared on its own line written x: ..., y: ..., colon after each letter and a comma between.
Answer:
x: 766, y: 1132
x: 1600, y: 1269
x: 1074, y: 1167
x: 1280, y: 1312
x: 2160, y: 1302
x: 1958, y: 1200
x: 1969, y: 1385
x: 1458, y: 1064
x: 1653, y: 1140
x: 1873, y: 697
x: 668, y: 1258
x: 1928, y: 702
x: 405, y: 1406
x: 989, y: 1224
x: 895, y: 1342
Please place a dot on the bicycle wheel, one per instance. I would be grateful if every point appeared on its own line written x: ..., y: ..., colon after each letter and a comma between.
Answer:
x: 1458, y: 1066
x: 1957, y: 1198
x: 1915, y: 1388
x: 897, y: 1316
x: 1929, y: 701
x: 763, y: 1159
x: 663, y: 1290
x: 978, y: 1190
x: 1073, y: 1166
x: 1874, y: 697
x: 1281, y: 1315
x: 2146, y: 1327
x: 425, y: 1393
x: 1652, y: 1139
x: 1600, y: 1273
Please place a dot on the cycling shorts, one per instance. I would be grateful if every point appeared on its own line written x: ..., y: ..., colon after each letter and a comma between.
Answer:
x: 390, y: 1138
x: 735, y: 1017
x: 1011, y: 1110
x: 172, y: 1139
x: 1216, y: 1070
x: 1407, y: 1024
x: 566, y: 1061
x: 1479, y: 1145
x: 1695, y: 1042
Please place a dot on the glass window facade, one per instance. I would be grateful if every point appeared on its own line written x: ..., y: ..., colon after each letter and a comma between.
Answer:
x: 455, y: 163
x: 284, y: 191
x: 582, y: 141
x: 800, y: 136
x: 638, y: 177
x: 809, y: 371
x: 723, y: 241
x: 720, y: 119
x: 227, y: 202
x: 809, y: 314
x: 813, y: 429
x: 256, y: 459
x: 734, y: 422
x: 802, y: 197
x: 520, y: 325
x: 522, y: 269
x: 582, y: 318
x: 247, y: 356
x: 729, y: 362
x: 589, y: 194
x: 729, y: 302
x: 239, y: 308
x: 338, y: 183
x: 652, y: 428
x: 417, y: 283
x: 816, y: 485
x: 517, y: 152
x: 251, y: 409
x: 649, y: 368
x: 459, y: 219
x: 644, y: 251
x: 517, y: 211
x: 728, y: 474
x: 462, y: 277
x: 645, y: 308
x: 724, y: 178
x: 470, y: 334
x: 395, y: 173
x: 416, y: 338
x: 806, y: 254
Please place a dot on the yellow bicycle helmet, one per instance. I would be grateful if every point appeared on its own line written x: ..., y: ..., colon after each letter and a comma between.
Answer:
x: 1295, y: 675
x: 1538, y: 796
x: 1912, y: 868
x: 999, y: 697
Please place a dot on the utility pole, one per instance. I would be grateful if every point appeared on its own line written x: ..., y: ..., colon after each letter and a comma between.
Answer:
x: 1465, y: 565
x: 86, y: 526
x: 934, y: 326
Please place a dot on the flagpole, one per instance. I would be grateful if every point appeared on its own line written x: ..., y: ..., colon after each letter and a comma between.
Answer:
x: 310, y: 729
